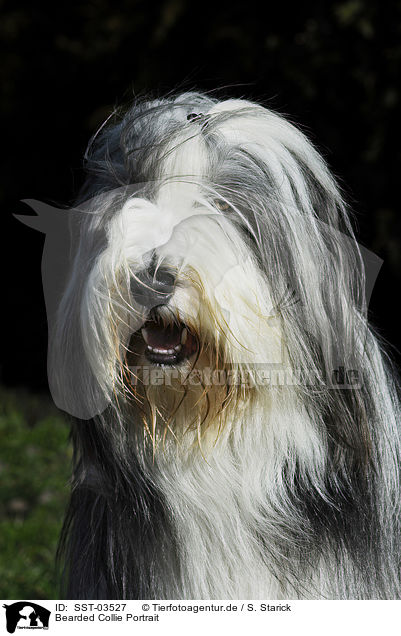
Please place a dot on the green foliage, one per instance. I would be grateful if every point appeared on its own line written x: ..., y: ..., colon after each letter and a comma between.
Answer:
x: 34, y: 470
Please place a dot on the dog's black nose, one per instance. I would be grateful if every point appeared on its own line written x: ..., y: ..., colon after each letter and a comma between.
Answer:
x: 152, y: 287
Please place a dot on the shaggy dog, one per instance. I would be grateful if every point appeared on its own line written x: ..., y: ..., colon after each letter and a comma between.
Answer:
x: 237, y: 425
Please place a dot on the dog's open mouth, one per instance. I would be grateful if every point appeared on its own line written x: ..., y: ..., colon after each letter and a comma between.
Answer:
x: 168, y: 344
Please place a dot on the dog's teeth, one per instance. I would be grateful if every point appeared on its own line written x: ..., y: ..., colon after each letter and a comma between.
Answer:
x: 184, y: 335
x: 162, y: 351
x: 178, y: 348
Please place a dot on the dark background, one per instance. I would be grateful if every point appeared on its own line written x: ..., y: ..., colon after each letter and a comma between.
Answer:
x: 332, y: 67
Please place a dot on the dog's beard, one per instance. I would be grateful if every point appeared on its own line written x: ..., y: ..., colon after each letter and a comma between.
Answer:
x: 181, y: 378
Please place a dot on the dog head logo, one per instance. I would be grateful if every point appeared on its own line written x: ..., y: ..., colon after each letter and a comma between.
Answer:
x: 25, y: 615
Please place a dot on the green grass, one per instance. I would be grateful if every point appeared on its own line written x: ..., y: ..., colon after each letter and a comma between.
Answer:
x: 34, y: 471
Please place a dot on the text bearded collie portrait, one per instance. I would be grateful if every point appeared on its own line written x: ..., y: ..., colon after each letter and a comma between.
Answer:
x: 236, y: 421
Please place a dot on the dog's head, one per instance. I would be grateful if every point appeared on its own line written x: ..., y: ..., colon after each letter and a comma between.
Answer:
x: 214, y: 248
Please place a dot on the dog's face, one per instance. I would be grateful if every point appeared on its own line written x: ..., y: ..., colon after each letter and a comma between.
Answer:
x: 194, y: 311
x: 221, y: 256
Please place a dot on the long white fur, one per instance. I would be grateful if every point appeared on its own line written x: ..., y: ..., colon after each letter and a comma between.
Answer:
x: 224, y: 491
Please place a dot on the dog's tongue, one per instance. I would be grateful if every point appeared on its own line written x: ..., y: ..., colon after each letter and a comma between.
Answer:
x: 159, y: 337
